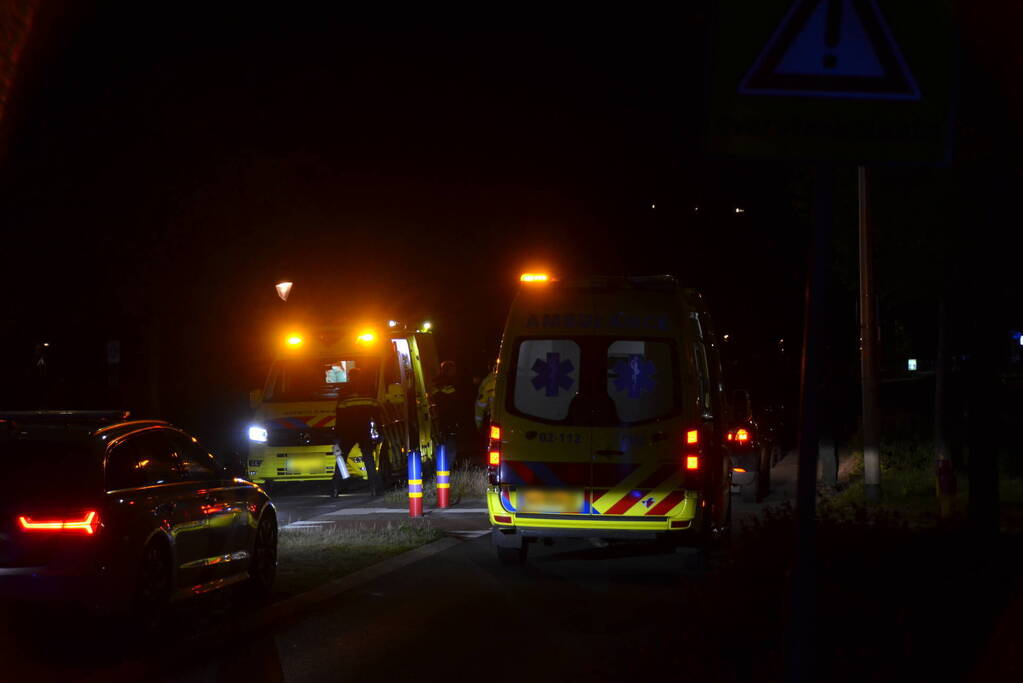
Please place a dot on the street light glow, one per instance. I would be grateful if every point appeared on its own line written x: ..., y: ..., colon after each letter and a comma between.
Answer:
x: 283, y: 289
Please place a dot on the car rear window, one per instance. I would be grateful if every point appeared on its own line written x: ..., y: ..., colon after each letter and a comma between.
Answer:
x: 51, y: 467
x: 596, y: 381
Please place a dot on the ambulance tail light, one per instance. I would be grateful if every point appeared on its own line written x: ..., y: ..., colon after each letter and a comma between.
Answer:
x: 494, y: 454
x: 692, y: 460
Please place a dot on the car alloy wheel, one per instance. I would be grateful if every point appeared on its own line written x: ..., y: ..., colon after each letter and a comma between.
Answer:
x: 263, y: 569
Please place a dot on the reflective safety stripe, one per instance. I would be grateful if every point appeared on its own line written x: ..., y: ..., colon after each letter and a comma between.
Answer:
x: 414, y: 481
x: 443, y: 486
x: 443, y: 473
x: 415, y: 495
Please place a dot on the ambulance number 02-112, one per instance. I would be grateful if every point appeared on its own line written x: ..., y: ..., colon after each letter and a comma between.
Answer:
x: 554, y: 437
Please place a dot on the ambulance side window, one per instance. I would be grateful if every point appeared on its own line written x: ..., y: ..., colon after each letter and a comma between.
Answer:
x: 702, y: 365
x: 393, y: 371
x: 546, y: 377
x: 703, y: 374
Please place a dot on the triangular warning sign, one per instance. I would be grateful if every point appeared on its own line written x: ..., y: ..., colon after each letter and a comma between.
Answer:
x: 832, y: 48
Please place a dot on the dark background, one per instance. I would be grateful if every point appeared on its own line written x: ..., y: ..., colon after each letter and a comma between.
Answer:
x: 165, y: 165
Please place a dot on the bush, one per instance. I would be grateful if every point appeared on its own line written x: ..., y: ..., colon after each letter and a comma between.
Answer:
x: 468, y: 482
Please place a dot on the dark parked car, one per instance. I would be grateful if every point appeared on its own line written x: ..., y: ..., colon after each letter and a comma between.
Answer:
x: 754, y: 447
x: 114, y: 514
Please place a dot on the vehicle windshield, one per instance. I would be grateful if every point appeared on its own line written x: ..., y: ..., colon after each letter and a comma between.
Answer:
x: 318, y: 379
x: 53, y: 468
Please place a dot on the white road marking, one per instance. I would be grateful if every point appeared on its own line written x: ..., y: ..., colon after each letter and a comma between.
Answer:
x: 307, y: 523
x: 474, y: 533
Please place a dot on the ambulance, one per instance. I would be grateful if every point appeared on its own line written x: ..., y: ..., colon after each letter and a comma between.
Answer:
x: 291, y: 436
x: 609, y: 417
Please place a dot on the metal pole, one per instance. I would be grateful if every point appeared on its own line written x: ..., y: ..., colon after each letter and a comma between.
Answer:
x: 415, y: 484
x: 804, y: 578
x: 868, y: 353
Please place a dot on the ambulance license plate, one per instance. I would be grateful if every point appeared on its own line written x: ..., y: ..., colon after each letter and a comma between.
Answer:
x: 306, y: 465
x: 551, y: 501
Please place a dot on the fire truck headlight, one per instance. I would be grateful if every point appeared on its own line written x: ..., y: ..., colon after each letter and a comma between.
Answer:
x: 257, y: 433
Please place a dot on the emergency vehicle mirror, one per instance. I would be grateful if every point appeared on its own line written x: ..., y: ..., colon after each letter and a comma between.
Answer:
x: 255, y: 398
x: 395, y: 393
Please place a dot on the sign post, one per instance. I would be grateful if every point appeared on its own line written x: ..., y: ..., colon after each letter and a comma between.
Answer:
x: 831, y: 82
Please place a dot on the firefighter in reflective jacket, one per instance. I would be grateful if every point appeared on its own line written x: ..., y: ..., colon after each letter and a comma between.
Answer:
x: 485, y: 399
x: 356, y: 412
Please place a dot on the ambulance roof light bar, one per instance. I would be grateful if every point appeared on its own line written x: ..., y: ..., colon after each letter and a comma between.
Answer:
x: 534, y: 277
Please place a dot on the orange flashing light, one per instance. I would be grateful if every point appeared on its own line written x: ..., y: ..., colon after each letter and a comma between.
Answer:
x: 88, y: 524
x: 534, y: 277
x: 740, y: 470
x: 366, y: 337
x: 294, y: 340
x: 692, y: 462
x: 741, y: 435
x: 692, y: 436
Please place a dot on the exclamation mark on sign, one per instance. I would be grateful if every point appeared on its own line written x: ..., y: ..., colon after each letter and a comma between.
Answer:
x: 833, y: 32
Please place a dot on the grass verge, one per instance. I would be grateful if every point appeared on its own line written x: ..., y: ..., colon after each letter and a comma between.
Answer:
x: 468, y: 482
x: 310, y: 557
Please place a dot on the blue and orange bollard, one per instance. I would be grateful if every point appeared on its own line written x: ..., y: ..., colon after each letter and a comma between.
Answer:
x: 443, y: 478
x: 415, y: 484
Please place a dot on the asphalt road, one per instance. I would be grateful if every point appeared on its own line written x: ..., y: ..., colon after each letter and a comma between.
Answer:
x: 576, y: 610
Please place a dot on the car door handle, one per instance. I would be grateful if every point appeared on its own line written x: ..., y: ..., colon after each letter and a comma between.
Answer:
x: 610, y: 452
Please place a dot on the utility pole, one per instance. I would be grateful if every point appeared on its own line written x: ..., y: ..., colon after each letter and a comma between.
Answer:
x: 946, y: 479
x: 868, y: 350
x: 802, y: 645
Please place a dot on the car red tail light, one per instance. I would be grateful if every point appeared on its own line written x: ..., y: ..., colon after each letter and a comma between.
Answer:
x: 87, y: 523
x: 741, y: 435
x: 692, y: 462
x: 692, y: 436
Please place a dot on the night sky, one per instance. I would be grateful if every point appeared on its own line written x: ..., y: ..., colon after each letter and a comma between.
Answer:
x: 165, y: 166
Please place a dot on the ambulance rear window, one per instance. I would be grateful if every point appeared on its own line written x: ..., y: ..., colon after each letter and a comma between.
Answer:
x: 546, y: 378
x: 595, y: 381
x: 640, y: 379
